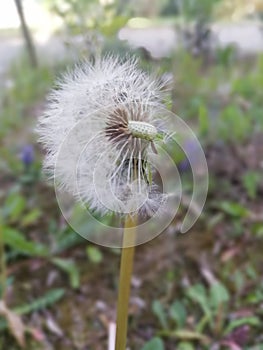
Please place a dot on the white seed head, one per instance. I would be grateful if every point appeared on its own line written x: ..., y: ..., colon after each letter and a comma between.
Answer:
x: 98, y: 128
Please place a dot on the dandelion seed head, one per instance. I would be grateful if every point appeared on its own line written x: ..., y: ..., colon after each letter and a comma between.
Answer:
x: 103, y: 116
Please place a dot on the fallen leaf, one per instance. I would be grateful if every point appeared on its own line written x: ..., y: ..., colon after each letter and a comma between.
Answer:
x: 15, y: 324
x: 231, y: 345
x: 37, y: 334
x: 54, y: 327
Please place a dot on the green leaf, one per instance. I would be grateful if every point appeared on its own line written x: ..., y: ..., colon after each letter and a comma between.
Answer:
x: 251, y: 181
x: 70, y: 268
x: 94, y: 254
x: 234, y: 209
x: 251, y: 272
x: 227, y: 121
x: 65, y: 239
x: 257, y: 229
x: 178, y: 313
x: 31, y: 217
x: 185, y: 346
x: 43, y: 302
x: 218, y: 294
x: 159, y: 312
x: 110, y: 29
x: 190, y: 335
x: 16, y: 240
x: 154, y: 344
x: 199, y: 295
x: 252, y: 321
x: 14, y: 206
x: 203, y: 120
x: 257, y: 347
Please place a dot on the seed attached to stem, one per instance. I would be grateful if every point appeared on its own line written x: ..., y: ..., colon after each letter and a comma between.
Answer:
x: 142, y: 130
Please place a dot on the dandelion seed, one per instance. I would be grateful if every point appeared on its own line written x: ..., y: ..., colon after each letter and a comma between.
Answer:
x: 109, y: 111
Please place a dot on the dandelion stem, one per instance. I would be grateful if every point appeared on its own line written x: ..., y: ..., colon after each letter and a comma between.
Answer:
x: 127, y: 256
x: 2, y: 263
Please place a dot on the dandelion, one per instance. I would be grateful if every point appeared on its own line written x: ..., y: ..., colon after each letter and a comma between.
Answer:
x: 105, y: 113
x: 99, y: 127
x: 102, y: 129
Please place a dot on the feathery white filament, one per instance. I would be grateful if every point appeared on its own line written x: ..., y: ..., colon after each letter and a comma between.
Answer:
x: 108, y: 109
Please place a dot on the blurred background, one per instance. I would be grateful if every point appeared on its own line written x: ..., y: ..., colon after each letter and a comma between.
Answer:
x: 201, y: 290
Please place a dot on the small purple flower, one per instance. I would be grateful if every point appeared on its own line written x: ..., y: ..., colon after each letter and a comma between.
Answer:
x: 238, y: 338
x: 240, y: 335
x: 190, y: 155
x: 27, y: 155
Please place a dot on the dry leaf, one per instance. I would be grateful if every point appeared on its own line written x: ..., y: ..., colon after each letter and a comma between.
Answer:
x: 15, y: 324
x: 231, y: 345
x: 54, y: 327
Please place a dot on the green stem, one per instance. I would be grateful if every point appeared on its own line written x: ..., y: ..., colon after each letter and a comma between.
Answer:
x: 126, y: 268
x: 2, y: 262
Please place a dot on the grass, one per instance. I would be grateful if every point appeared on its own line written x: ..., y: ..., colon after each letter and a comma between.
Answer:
x: 194, y: 291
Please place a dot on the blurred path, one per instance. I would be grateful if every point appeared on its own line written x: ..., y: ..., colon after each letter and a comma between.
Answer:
x: 160, y: 41
x: 48, y: 50
x: 247, y: 36
x: 9, y: 49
